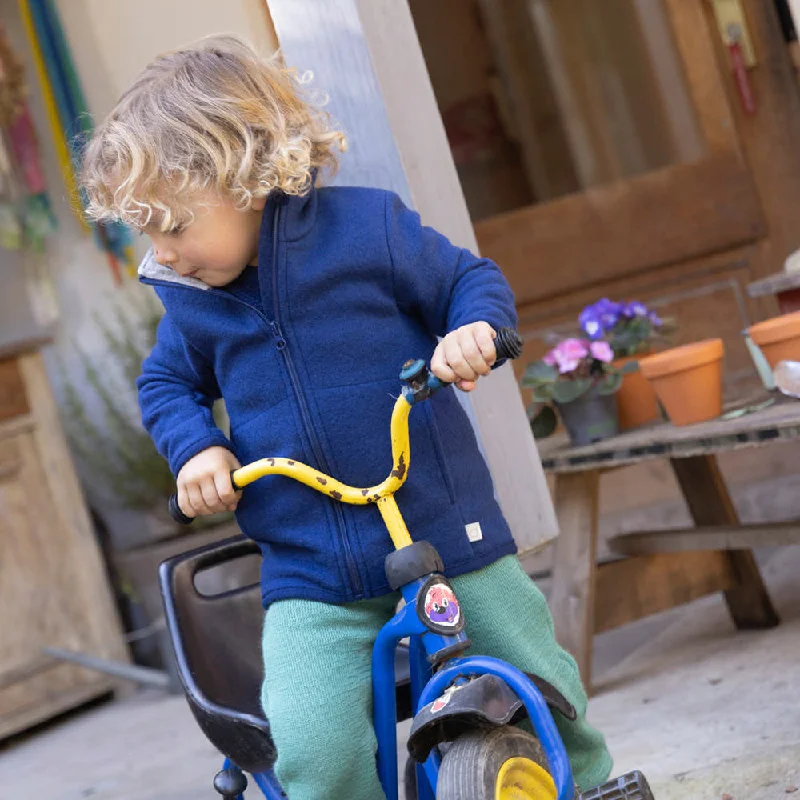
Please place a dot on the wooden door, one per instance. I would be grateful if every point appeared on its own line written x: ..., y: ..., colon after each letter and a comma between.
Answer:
x: 53, y: 590
x: 643, y: 175
x: 39, y: 604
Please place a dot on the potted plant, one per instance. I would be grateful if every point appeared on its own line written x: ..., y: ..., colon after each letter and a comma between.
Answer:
x: 578, y: 378
x: 632, y: 330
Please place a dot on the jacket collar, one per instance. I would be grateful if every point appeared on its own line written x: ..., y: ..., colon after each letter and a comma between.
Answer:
x: 150, y: 269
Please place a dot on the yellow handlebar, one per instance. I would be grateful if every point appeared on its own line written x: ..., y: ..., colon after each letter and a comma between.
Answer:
x: 381, y: 494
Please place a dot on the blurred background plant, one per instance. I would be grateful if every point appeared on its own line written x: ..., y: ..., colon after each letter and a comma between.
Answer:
x: 115, y: 453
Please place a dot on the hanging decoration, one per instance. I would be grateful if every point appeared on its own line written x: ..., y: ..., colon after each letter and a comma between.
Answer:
x: 69, y: 120
x: 26, y: 217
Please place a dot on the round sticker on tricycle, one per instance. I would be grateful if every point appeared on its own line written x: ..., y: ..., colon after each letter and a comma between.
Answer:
x: 439, y: 607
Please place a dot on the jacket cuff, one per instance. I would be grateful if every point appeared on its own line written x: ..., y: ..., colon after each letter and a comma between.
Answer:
x: 217, y: 438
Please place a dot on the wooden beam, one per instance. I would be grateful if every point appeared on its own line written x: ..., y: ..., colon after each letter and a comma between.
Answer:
x: 710, y: 206
x: 709, y: 503
x: 572, y: 598
x: 366, y: 54
x: 633, y: 588
x: 715, y: 537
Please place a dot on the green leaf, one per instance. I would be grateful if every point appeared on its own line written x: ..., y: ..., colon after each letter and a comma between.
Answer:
x: 543, y: 393
x: 629, y: 367
x: 610, y: 383
x: 544, y: 423
x: 537, y: 373
x: 569, y: 391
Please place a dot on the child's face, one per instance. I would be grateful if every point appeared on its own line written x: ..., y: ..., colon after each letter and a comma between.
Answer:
x: 216, y: 246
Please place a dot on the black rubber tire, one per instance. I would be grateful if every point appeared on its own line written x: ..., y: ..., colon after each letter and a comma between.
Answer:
x: 470, y: 767
x: 410, y: 779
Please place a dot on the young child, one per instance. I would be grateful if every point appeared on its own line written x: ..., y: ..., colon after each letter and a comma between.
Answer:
x: 298, y: 305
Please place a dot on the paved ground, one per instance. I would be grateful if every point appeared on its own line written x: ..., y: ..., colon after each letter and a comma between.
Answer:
x: 704, y: 710
x: 707, y: 711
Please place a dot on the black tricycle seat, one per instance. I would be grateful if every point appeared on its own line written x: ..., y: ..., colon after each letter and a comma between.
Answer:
x: 217, y: 643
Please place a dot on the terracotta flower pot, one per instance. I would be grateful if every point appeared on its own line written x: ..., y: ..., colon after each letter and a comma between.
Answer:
x: 636, y: 401
x: 688, y: 380
x: 778, y: 338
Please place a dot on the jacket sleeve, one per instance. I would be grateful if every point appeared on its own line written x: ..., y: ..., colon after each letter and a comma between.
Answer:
x: 177, y: 390
x: 446, y: 285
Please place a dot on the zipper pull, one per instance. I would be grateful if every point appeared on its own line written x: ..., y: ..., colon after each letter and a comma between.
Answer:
x: 280, y: 342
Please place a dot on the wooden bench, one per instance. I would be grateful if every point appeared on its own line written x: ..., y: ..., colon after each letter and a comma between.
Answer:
x: 657, y: 570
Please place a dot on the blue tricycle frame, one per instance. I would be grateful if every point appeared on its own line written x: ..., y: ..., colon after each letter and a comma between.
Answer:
x: 426, y: 647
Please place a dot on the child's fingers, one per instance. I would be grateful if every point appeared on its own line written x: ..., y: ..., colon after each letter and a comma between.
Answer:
x: 439, y: 366
x: 196, y: 499
x: 211, y: 496
x: 225, y: 490
x: 472, y: 350
x: 484, y: 338
x: 464, y: 355
x: 183, y: 502
x: 455, y: 357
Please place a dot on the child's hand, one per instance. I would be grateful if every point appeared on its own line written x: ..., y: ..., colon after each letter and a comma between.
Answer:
x: 465, y: 354
x: 204, y: 483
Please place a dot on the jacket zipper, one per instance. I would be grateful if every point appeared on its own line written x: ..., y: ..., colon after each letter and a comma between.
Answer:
x: 282, y: 345
x: 283, y: 348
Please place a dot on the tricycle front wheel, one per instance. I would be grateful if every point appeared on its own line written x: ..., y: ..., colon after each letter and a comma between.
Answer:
x: 496, y: 764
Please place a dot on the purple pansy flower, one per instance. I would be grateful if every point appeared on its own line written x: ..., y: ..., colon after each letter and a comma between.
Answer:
x: 635, y: 309
x: 599, y: 317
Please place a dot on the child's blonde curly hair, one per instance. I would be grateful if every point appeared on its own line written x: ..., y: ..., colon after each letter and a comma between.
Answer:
x: 211, y: 117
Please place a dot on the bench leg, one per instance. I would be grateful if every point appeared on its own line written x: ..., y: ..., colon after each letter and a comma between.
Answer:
x: 575, y: 565
x: 709, y: 503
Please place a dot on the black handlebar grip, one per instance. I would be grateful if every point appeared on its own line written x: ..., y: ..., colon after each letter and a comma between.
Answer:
x: 176, y: 513
x: 508, y: 343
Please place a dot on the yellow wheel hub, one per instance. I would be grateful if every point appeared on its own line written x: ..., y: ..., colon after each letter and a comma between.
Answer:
x: 523, y: 779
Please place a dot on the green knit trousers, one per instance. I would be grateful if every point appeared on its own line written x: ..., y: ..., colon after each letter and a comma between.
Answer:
x: 317, y: 692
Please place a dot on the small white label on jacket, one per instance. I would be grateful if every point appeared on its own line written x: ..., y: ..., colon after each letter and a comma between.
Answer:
x: 474, y: 532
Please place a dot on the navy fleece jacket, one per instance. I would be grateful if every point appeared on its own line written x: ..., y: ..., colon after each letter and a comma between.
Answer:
x: 350, y: 285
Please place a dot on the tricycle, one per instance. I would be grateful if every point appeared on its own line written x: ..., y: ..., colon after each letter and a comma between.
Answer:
x: 465, y: 741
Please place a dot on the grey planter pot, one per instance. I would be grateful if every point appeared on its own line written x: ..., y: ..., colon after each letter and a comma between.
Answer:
x: 590, y: 418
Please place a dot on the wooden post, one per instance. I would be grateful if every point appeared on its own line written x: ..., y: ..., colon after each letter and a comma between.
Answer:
x: 575, y: 566
x: 366, y: 55
x: 709, y: 503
